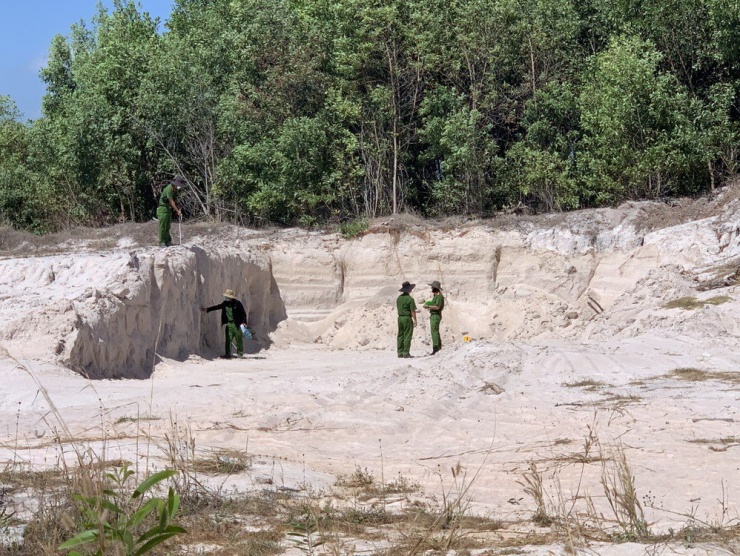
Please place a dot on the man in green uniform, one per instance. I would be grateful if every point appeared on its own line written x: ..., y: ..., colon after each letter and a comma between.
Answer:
x: 435, y: 306
x: 164, y: 211
x: 406, y: 319
x: 233, y: 316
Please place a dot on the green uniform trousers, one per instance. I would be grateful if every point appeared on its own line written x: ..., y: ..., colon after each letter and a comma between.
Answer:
x: 405, y: 333
x: 434, y: 321
x: 164, y: 215
x: 231, y: 333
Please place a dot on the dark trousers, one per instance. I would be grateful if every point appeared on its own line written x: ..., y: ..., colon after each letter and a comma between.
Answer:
x: 164, y: 215
x: 232, y: 332
x: 434, y: 321
x: 405, y: 333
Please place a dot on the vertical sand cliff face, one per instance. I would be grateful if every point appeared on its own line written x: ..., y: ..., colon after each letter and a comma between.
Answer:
x: 583, y: 276
x: 113, y: 315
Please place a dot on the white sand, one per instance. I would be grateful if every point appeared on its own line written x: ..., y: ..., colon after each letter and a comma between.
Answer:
x: 571, y: 360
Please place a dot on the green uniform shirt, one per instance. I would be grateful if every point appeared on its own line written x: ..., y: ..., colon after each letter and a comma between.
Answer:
x: 439, y: 301
x: 405, y: 305
x: 229, y: 313
x: 167, y: 194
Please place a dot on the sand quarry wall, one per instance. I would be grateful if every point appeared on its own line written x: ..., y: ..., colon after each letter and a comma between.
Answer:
x: 584, y: 276
x: 113, y: 314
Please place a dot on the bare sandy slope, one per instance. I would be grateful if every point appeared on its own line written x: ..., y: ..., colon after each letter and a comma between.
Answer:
x: 575, y: 359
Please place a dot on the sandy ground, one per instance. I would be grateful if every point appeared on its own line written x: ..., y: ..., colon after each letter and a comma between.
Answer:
x: 576, y: 361
x: 307, y: 415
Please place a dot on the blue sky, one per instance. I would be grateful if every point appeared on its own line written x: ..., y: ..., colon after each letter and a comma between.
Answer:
x: 26, y: 30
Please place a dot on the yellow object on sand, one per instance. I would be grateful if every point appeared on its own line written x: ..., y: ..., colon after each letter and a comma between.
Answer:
x: 466, y: 338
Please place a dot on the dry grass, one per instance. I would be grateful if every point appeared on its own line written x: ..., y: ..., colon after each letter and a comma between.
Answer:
x: 491, y: 388
x: 127, y: 419
x: 23, y: 244
x: 17, y: 243
x: 534, y: 487
x: 563, y: 441
x: 619, y: 486
x: 361, y: 478
x: 620, y: 400
x: 588, y: 384
x: 222, y: 462
x: 691, y: 374
x: 362, y: 485
x: 263, y: 523
x: 718, y: 444
x: 691, y: 303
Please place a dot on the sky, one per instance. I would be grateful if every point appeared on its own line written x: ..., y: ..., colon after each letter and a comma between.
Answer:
x: 26, y: 30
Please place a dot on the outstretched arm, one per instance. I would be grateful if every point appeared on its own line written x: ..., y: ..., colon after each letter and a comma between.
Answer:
x: 212, y: 308
x: 174, y: 207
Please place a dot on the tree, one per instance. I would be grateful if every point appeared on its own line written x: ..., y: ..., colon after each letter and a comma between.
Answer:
x: 644, y: 134
x: 25, y: 201
x: 541, y: 167
x: 93, y: 81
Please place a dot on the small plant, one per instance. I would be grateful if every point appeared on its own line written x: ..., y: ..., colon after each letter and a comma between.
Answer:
x: 6, y: 517
x: 305, y: 529
x: 621, y: 493
x: 361, y: 478
x: 687, y: 303
x: 113, y: 521
x: 223, y: 462
x: 402, y: 485
x: 353, y: 228
x: 533, y: 486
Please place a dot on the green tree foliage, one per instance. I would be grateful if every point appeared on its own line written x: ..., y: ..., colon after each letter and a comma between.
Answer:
x: 645, y: 135
x: 98, y: 158
x: 24, y: 199
x: 302, y: 111
x: 541, y: 169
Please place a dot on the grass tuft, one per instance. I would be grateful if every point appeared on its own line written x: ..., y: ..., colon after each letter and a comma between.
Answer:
x: 353, y: 228
x: 690, y: 303
x: 692, y: 374
x: 127, y: 419
x: 221, y: 462
x: 588, y: 384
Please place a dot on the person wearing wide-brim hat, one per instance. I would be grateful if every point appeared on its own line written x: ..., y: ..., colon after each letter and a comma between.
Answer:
x: 406, y: 319
x: 435, y: 306
x: 166, y: 207
x: 233, y: 316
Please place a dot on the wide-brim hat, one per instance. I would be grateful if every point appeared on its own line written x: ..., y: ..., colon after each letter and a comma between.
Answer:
x: 178, y: 182
x: 407, y: 287
x: 436, y: 285
x: 229, y: 294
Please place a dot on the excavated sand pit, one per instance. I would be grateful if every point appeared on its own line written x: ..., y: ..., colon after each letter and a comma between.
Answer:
x: 577, y: 358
